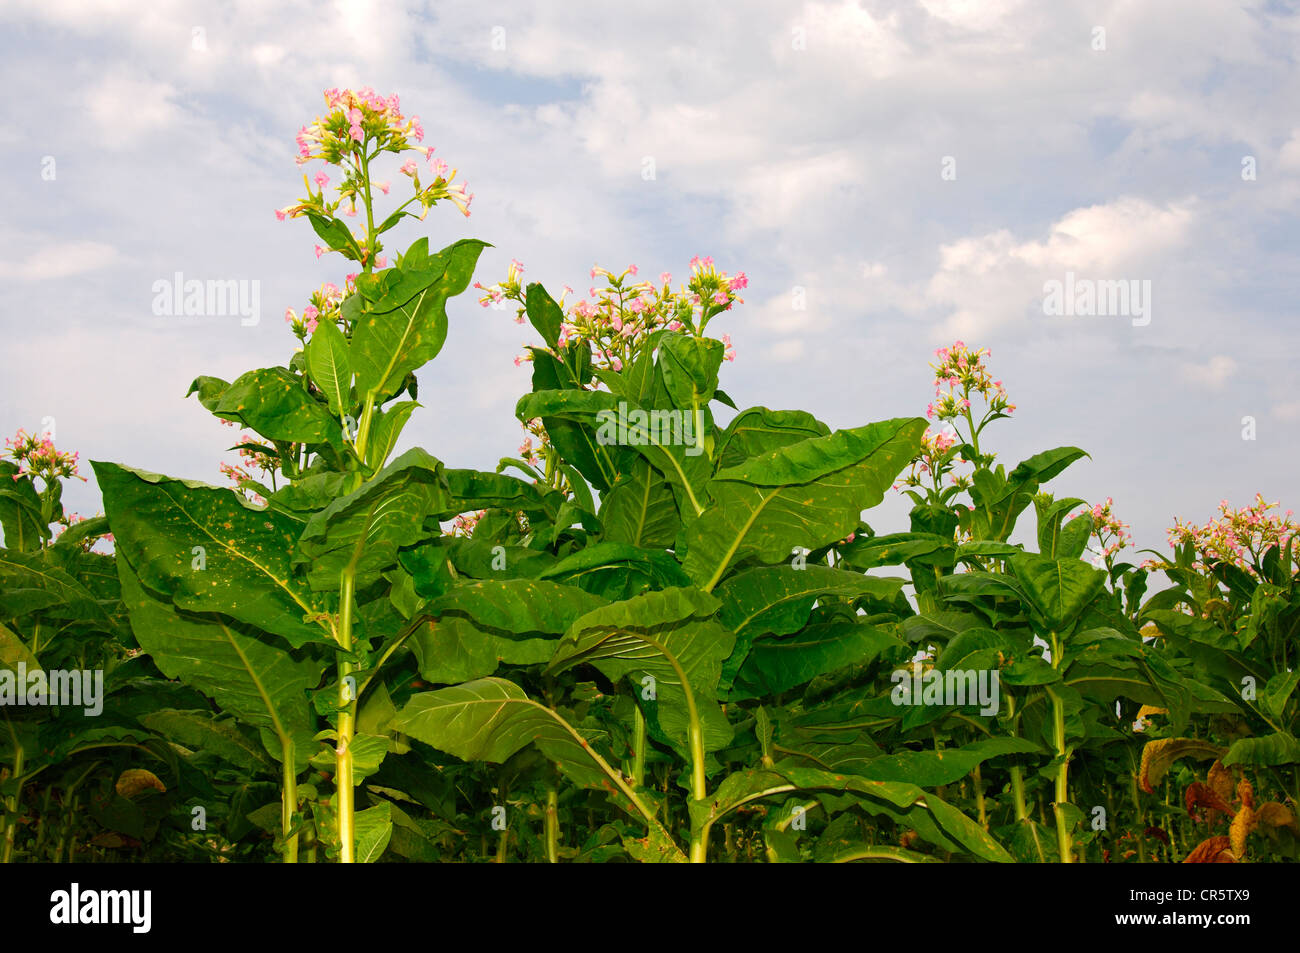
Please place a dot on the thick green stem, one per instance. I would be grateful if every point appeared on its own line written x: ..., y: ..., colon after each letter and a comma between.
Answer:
x: 343, y: 784
x: 1062, y: 788
x: 1062, y: 791
x: 289, y: 802
x: 638, y: 747
x: 12, y: 802
x: 552, y: 825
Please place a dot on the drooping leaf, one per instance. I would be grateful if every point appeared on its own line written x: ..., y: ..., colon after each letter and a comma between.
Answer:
x: 274, y: 403
x: 808, y: 494
x: 263, y: 684
x: 209, y: 551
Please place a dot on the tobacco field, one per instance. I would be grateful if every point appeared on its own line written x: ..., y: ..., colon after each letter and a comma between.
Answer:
x: 667, y: 629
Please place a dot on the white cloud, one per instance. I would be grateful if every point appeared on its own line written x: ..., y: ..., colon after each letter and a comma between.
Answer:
x: 990, y: 280
x: 59, y: 261
x: 1214, y: 373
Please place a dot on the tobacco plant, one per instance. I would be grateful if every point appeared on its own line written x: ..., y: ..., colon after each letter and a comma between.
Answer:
x: 649, y: 635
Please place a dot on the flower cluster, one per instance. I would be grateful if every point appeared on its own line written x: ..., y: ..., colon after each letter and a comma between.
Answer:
x: 1237, y: 537
x: 617, y: 319
x: 252, y: 455
x: 38, y: 457
x: 358, y: 126
x: 464, y: 524
x: 935, y: 461
x: 962, y: 370
x: 326, y: 304
x: 535, y: 455
x: 1111, y: 533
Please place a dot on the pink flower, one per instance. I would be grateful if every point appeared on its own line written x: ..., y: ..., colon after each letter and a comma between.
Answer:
x: 665, y: 278
x: 322, y: 180
x: 320, y: 250
x: 631, y: 270
x: 382, y: 186
x: 409, y: 168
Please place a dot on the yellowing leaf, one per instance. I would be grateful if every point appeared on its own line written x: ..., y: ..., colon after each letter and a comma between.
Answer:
x: 136, y: 780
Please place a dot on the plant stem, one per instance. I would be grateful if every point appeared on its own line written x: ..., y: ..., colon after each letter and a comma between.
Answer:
x: 11, y: 803
x: 552, y: 825
x: 638, y: 746
x: 347, y: 720
x: 289, y: 802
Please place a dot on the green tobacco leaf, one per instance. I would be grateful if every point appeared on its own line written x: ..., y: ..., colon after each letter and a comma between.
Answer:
x: 20, y: 511
x: 209, y: 390
x: 210, y: 552
x: 1042, y: 467
x: 618, y: 570
x: 646, y: 635
x: 894, y: 549
x: 262, y: 684
x: 775, y: 665
x: 81, y: 531
x: 615, y: 425
x: 273, y: 402
x: 372, y: 523
x: 575, y: 442
x: 31, y: 582
x: 455, y: 650
x: 490, y: 719
x: 543, y: 313
x: 330, y: 366
x: 690, y: 368
x: 516, y: 606
x: 930, y: 769
x: 778, y: 599
x: 477, y: 490
x: 384, y: 431
x: 808, y: 494
x: 887, y: 797
x: 757, y: 430
x: 13, y: 651
x: 1267, y: 751
x: 206, y: 732
x: 640, y: 509
x: 1058, y: 589
x: 404, y: 330
x: 373, y: 829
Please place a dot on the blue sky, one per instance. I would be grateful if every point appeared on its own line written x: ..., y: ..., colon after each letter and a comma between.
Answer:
x: 802, y: 143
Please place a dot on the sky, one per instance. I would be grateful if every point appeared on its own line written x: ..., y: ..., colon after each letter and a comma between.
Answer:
x: 891, y: 176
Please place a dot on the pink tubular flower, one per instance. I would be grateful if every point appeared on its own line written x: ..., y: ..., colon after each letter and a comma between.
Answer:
x: 37, y: 456
x: 322, y: 180
x: 409, y: 168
